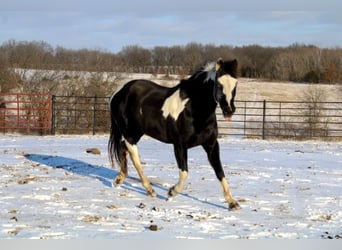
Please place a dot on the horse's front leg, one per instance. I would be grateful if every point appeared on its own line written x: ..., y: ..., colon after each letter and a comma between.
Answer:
x: 213, y: 152
x: 181, y: 154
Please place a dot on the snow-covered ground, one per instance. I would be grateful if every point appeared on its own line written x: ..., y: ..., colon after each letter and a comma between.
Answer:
x: 51, y: 188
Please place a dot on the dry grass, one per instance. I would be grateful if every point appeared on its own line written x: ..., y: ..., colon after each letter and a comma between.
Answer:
x: 257, y: 90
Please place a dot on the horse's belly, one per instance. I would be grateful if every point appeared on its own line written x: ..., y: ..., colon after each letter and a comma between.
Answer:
x: 157, y: 131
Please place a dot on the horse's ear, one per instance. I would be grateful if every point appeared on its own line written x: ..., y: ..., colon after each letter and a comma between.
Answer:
x: 235, y: 63
x: 219, y: 63
x: 234, y: 68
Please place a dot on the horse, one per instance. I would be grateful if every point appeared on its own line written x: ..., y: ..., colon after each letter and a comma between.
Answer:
x: 183, y: 115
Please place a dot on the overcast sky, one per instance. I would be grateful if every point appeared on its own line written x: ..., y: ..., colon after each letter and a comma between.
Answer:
x: 111, y: 25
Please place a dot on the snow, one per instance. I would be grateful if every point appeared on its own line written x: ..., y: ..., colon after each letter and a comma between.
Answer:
x: 51, y: 188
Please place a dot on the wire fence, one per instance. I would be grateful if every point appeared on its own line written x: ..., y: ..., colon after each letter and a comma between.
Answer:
x: 288, y: 120
x: 253, y: 119
x: 80, y: 115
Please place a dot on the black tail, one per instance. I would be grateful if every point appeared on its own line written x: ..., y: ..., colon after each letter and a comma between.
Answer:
x: 114, y: 139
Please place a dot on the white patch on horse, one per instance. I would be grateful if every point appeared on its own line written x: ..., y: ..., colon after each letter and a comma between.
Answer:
x: 229, y: 83
x: 174, y: 105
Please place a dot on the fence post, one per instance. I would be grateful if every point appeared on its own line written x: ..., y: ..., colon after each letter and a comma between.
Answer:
x: 18, y: 110
x: 244, y: 118
x: 53, y: 115
x: 263, y: 119
x: 279, y: 119
x: 94, y: 115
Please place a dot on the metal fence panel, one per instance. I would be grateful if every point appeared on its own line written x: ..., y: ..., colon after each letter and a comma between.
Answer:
x: 80, y: 115
x: 25, y: 113
x: 290, y: 120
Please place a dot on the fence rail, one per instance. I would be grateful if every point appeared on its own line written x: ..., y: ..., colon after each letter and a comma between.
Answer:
x: 299, y: 120
x: 253, y: 119
x: 79, y: 115
x: 25, y: 113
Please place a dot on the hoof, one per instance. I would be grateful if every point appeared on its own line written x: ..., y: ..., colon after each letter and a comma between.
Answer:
x: 115, y: 185
x: 172, y: 192
x: 151, y: 193
x: 234, y: 206
x: 118, y: 181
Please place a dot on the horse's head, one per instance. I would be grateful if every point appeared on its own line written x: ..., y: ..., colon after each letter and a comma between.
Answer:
x: 225, y: 86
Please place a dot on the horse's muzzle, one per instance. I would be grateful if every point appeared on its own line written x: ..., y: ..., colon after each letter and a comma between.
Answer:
x: 227, y: 110
x: 227, y: 113
x: 228, y: 118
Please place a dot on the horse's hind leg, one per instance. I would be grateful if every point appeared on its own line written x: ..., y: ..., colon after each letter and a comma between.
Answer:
x: 134, y: 154
x: 120, y: 178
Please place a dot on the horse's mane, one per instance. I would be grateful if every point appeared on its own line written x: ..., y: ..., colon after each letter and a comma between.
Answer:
x: 207, y: 70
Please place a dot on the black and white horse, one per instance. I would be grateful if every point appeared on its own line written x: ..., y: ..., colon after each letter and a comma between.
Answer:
x: 183, y: 115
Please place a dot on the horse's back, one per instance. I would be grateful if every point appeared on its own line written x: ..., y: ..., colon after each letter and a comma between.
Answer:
x: 138, y: 88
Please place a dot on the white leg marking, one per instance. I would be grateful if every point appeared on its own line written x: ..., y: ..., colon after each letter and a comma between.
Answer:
x: 226, y: 191
x: 134, y: 154
x: 183, y: 175
x: 232, y: 204
x: 176, y: 189
x: 133, y: 151
x: 120, y: 178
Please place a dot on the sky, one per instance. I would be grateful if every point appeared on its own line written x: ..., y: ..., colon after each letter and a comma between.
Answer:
x: 111, y: 25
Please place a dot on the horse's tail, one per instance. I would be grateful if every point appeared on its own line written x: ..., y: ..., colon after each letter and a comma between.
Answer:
x: 115, y: 136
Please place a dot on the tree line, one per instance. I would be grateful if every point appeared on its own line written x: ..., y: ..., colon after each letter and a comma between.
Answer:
x: 297, y: 62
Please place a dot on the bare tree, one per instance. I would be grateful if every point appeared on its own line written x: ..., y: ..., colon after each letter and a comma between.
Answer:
x: 315, y: 122
x: 193, y: 56
x: 136, y: 58
x: 297, y: 62
x: 8, y: 78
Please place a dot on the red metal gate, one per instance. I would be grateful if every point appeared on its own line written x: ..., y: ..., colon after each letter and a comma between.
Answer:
x: 25, y: 112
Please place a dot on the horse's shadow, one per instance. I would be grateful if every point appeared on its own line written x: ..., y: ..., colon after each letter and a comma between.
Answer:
x: 103, y: 174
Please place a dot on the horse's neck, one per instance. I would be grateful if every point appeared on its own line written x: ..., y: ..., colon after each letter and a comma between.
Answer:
x: 201, y: 94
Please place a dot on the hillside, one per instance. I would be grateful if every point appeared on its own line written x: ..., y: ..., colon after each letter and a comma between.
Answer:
x: 104, y: 84
x: 258, y: 90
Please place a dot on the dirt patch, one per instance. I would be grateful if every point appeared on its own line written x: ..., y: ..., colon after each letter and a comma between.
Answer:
x: 26, y: 179
x: 94, y: 151
x: 91, y: 218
